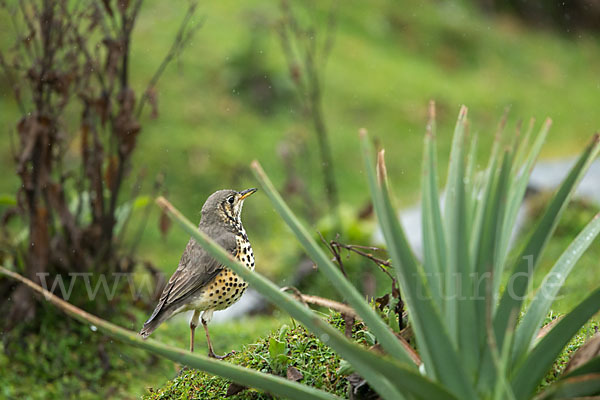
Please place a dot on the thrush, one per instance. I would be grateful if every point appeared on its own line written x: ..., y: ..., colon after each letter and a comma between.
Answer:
x: 200, y: 283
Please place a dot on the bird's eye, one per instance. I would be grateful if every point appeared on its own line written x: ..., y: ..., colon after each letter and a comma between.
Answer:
x: 230, y: 199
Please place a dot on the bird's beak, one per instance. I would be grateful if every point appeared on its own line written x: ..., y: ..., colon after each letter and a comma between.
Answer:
x: 247, y: 192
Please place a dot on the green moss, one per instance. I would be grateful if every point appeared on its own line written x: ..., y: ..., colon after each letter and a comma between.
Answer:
x: 273, y: 354
x: 588, y: 330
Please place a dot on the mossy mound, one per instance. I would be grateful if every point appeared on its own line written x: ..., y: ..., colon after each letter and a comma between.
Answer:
x: 290, y: 348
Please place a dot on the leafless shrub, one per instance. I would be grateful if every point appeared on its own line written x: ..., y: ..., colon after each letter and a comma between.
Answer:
x: 70, y: 73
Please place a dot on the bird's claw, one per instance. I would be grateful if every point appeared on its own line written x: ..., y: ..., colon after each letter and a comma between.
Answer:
x: 218, y: 357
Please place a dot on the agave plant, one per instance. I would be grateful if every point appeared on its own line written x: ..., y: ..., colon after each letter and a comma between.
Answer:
x: 475, y: 337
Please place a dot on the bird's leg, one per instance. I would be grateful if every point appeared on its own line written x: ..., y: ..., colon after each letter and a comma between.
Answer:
x: 211, y: 352
x: 193, y: 325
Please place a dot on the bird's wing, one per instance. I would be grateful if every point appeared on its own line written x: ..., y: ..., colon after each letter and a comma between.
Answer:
x: 196, y: 268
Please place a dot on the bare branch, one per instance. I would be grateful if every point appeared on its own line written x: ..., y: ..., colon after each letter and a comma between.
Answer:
x: 323, y: 302
x: 335, y: 252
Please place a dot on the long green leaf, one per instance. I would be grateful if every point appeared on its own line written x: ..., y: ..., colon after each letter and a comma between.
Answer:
x: 503, y: 390
x: 485, y: 268
x: 481, y: 192
x: 528, y: 259
x: 496, y: 228
x: 457, y: 264
x: 515, y: 199
x: 531, y: 371
x: 382, y: 331
x: 571, y: 388
x: 458, y: 255
x: 361, y: 359
x: 482, y: 195
x: 554, y: 280
x: 590, y: 367
x: 245, y: 376
x: 471, y: 183
x: 434, y: 241
x: 494, y: 208
x: 434, y: 343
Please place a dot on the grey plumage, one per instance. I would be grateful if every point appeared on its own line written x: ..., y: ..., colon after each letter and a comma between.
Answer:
x: 196, y: 267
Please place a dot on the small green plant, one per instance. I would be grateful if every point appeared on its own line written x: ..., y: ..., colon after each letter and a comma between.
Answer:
x: 278, y: 349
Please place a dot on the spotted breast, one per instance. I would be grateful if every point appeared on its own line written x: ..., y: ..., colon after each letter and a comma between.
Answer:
x: 227, y: 287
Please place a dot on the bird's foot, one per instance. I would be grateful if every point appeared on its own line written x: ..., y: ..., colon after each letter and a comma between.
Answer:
x: 218, y: 357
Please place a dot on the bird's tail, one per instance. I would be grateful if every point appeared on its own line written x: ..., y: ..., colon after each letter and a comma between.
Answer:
x: 157, y: 318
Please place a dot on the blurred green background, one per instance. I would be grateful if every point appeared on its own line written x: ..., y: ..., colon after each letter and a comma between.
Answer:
x: 229, y: 100
x: 387, y: 62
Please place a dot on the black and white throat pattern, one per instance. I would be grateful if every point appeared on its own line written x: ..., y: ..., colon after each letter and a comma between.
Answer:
x: 244, y: 249
x: 232, y: 218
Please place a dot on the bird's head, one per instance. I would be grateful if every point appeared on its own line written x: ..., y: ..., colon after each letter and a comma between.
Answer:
x: 226, y: 205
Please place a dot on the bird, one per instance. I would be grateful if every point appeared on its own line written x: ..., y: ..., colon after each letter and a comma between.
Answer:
x: 201, y: 284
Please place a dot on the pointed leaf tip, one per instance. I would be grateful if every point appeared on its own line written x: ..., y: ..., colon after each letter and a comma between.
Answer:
x: 362, y: 132
x: 162, y: 202
x: 431, y: 110
x: 430, y: 119
x: 381, y: 169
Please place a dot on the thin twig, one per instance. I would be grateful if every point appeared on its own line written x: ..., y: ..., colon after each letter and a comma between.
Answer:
x: 336, y: 254
x: 323, y: 302
x: 378, y: 261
